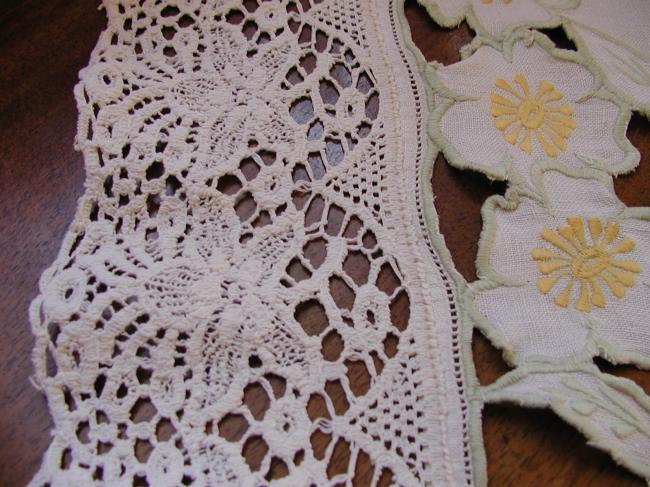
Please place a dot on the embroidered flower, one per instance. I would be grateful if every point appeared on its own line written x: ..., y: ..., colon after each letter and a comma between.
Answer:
x: 588, y: 261
x: 522, y: 114
x: 565, y: 271
x: 613, y: 35
x: 502, y: 111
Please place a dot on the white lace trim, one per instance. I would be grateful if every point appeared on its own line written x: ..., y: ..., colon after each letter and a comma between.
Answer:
x: 252, y: 176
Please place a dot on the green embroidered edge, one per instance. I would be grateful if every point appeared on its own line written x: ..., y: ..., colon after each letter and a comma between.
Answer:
x: 474, y: 401
x: 517, y: 189
x: 557, y: 19
x: 468, y: 14
x: 502, y: 170
x: 490, y: 279
x: 497, y: 392
x: 582, y: 46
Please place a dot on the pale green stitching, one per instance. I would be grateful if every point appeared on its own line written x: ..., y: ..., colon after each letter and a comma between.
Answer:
x: 517, y: 188
x: 469, y: 15
x: 498, y: 392
x: 631, y: 156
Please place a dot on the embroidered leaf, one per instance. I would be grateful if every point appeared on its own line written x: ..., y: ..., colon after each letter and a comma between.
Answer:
x: 613, y: 413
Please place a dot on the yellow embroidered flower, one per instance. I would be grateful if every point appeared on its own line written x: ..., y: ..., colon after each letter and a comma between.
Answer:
x: 526, y: 114
x: 587, y: 264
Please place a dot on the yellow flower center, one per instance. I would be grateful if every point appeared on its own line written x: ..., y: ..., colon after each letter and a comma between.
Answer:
x: 531, y: 114
x: 519, y: 115
x: 589, y: 262
x: 585, y: 265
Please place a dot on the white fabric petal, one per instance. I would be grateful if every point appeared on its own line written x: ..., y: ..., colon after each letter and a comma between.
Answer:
x: 532, y: 324
x: 517, y: 234
x: 616, y: 36
x: 624, y: 323
x: 594, y: 134
x: 497, y: 16
x: 450, y: 10
x: 571, y: 79
x: 558, y: 4
x: 476, y: 75
x: 469, y: 128
x: 573, y: 197
x: 473, y: 76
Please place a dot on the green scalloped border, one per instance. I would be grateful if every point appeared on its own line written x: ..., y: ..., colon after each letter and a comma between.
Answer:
x: 490, y: 279
x: 469, y: 15
x: 501, y: 171
x: 497, y: 392
x: 557, y: 19
x: 517, y: 188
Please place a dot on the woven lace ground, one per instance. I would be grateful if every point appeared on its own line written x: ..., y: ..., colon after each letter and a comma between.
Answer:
x: 245, y: 294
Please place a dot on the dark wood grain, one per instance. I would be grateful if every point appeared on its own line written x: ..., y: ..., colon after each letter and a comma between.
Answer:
x: 42, y: 47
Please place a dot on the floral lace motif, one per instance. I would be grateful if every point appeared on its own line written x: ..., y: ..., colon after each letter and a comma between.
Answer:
x: 244, y: 295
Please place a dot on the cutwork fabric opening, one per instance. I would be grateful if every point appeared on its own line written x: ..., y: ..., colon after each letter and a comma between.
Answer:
x: 563, y: 265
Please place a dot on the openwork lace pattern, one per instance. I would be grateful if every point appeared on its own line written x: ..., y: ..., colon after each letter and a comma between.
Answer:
x: 245, y: 294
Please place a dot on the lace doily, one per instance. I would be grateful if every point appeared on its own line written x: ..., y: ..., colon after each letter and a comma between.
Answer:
x: 248, y: 291
x: 254, y: 290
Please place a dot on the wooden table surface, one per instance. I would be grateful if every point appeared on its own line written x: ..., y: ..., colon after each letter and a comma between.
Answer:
x: 43, y: 45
